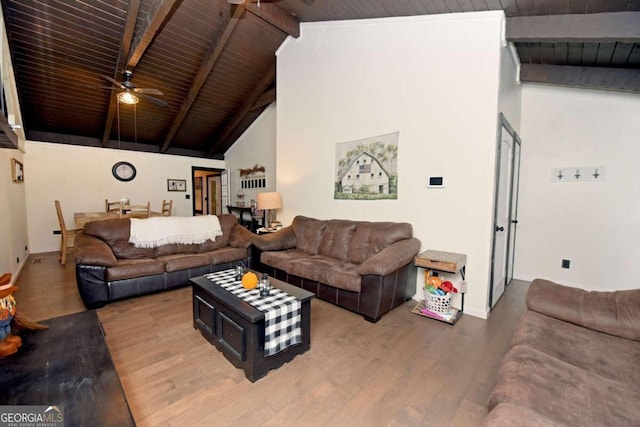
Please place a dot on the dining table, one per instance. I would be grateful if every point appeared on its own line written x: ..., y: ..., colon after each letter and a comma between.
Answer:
x: 81, y: 218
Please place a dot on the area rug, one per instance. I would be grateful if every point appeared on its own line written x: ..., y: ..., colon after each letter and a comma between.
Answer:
x: 68, y: 366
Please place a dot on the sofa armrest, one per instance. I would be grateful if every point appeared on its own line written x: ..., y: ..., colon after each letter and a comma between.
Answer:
x: 240, y: 237
x: 614, y: 313
x: 90, y: 250
x: 278, y: 241
x: 391, y: 258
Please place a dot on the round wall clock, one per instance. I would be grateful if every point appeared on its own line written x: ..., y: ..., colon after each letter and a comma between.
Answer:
x: 124, y: 171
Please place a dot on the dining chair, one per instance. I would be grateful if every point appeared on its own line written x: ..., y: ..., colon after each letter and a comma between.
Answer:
x: 112, y: 206
x: 167, y: 207
x: 139, y: 211
x: 68, y: 235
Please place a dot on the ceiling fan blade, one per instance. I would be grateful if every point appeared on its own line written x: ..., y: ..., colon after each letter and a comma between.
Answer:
x: 148, y: 91
x: 109, y: 79
x: 156, y: 101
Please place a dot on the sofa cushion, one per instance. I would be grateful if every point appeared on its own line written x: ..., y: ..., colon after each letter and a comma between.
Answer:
x: 344, y: 276
x: 227, y: 222
x: 110, y: 230
x: 562, y: 392
x: 615, y: 312
x: 336, y: 238
x: 507, y: 415
x: 308, y: 233
x: 281, y: 259
x: 597, y: 352
x: 175, y: 249
x: 131, y: 268
x: 183, y: 261
x: 370, y: 238
x: 125, y: 250
x: 227, y: 254
x: 312, y: 267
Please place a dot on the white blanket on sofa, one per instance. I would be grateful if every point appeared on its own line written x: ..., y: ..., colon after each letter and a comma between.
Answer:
x: 157, y: 231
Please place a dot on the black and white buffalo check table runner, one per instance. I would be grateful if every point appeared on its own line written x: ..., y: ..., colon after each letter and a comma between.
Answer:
x: 281, y: 311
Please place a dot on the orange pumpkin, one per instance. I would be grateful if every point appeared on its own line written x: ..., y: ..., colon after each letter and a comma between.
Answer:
x: 249, y: 280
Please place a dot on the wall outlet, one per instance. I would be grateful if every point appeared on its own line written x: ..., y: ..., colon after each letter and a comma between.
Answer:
x: 566, y: 263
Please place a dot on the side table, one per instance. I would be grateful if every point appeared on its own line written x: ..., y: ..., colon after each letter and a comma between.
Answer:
x: 447, y: 262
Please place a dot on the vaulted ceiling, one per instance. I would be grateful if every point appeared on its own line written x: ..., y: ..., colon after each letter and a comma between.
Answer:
x: 214, y: 62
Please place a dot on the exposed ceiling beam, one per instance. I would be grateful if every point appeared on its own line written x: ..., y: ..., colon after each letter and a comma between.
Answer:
x: 158, y: 15
x: 619, y: 79
x: 247, y: 107
x: 207, y: 64
x: 125, y: 48
x: 265, y: 99
x: 277, y: 17
x: 594, y: 27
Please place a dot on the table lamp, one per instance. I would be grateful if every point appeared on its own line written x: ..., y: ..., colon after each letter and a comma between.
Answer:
x: 269, y: 202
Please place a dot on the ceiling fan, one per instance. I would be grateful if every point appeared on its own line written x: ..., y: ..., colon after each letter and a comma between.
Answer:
x: 129, y: 92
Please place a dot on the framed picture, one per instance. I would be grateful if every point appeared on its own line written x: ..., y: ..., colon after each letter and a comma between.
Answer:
x: 176, y: 185
x: 17, y: 171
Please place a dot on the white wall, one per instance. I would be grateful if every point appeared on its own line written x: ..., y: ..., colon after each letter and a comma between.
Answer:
x: 81, y: 178
x: 595, y: 225
x: 257, y: 145
x: 510, y: 92
x: 435, y: 79
x: 13, y: 226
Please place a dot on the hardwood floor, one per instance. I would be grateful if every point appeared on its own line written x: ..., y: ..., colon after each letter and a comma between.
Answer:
x: 405, y: 370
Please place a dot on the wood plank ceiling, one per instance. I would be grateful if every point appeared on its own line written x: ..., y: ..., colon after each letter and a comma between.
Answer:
x: 215, y: 62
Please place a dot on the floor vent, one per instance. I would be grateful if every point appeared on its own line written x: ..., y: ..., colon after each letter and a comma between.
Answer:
x: 37, y: 261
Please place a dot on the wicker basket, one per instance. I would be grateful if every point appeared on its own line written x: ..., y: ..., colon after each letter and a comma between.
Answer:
x: 437, y: 303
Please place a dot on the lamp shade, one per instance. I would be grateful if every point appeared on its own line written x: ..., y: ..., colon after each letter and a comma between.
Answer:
x: 271, y: 200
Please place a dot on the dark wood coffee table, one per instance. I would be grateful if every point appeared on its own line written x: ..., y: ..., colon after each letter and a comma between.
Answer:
x: 236, y: 328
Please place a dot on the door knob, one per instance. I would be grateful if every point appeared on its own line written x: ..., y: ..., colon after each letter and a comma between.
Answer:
x: 515, y: 221
x: 499, y: 228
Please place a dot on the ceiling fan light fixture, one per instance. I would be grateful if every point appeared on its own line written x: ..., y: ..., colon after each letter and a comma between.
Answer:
x: 127, y: 97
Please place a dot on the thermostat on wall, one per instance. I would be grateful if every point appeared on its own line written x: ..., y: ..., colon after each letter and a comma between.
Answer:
x: 436, y: 182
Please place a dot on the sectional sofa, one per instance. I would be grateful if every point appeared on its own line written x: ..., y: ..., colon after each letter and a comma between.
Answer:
x: 574, y: 360
x: 109, y: 268
x: 365, y: 267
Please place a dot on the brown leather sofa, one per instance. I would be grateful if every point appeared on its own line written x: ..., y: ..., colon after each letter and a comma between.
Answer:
x: 365, y: 267
x: 574, y: 360
x: 109, y: 268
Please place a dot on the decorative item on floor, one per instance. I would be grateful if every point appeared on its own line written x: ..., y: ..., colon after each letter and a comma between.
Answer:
x: 269, y: 202
x: 438, y: 293
x: 17, y: 171
x: 367, y: 169
x: 10, y: 343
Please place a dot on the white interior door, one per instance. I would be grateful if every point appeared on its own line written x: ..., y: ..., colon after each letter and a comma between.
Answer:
x: 502, y: 215
x: 513, y: 221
